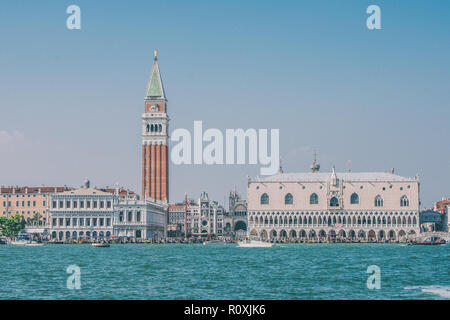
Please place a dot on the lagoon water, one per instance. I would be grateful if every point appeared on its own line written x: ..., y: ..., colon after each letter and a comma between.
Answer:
x: 287, y: 271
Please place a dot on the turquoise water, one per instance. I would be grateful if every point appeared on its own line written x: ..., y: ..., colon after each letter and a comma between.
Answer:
x: 291, y: 271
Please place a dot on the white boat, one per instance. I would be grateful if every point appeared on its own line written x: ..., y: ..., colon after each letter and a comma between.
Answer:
x: 254, y: 244
x: 27, y: 243
x: 214, y: 242
x: 20, y: 242
x: 101, y: 245
x: 35, y: 244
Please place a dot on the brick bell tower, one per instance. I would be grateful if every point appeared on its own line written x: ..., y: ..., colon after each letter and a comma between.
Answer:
x: 155, y: 123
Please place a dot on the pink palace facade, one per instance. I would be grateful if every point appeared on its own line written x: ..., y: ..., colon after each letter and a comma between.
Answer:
x: 367, y: 206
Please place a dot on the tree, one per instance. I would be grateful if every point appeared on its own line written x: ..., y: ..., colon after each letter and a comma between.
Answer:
x: 12, y: 226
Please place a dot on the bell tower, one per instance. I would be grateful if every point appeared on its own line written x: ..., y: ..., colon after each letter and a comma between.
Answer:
x: 155, y: 123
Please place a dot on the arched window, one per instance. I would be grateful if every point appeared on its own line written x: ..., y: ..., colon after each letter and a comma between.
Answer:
x: 334, y: 202
x: 288, y: 199
x: 148, y: 128
x: 354, y: 199
x: 378, y: 201
x: 160, y: 128
x: 152, y: 128
x: 314, y: 199
x: 404, y: 201
x: 264, y: 199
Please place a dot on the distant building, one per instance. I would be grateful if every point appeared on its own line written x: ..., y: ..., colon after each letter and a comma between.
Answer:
x: 175, y: 220
x: 441, y: 206
x: 430, y: 220
x: 82, y: 213
x: 140, y: 219
x: 235, y: 221
x: 121, y: 193
x: 32, y: 203
x: 204, y: 218
x: 99, y: 213
x: 367, y: 206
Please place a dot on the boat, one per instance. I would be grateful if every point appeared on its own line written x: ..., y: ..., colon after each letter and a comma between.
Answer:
x: 101, y: 245
x: 34, y: 244
x: 214, y: 242
x: 431, y: 241
x: 22, y: 240
x: 254, y: 243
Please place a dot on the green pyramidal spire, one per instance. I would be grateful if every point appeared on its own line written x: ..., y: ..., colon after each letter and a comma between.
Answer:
x: 155, y: 88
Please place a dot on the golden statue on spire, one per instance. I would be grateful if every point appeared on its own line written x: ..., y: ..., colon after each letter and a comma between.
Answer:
x: 156, y: 53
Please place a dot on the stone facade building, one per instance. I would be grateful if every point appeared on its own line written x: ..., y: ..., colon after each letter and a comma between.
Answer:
x: 367, y: 206
x: 140, y: 219
x: 205, y: 218
x: 32, y: 203
x: 91, y: 213
x: 235, y: 220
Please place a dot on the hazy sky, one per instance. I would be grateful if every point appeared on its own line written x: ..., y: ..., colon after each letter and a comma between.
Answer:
x: 71, y: 100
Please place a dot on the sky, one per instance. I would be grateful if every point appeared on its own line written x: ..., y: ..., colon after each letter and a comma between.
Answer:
x: 71, y: 100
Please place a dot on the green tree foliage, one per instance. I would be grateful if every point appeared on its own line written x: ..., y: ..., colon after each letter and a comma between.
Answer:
x: 11, y: 226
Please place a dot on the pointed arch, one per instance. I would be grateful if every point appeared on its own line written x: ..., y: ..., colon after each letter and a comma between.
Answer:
x: 288, y: 199
x: 354, y: 198
x: 265, y: 198
x: 314, y: 198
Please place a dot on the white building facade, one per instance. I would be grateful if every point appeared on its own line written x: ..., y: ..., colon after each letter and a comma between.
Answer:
x: 90, y: 213
x: 82, y: 213
x: 204, y: 218
x: 140, y: 219
x: 374, y: 206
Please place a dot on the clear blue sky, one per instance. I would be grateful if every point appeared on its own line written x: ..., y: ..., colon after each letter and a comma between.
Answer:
x: 71, y: 101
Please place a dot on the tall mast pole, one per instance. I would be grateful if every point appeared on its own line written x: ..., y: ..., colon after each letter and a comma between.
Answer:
x: 185, y: 215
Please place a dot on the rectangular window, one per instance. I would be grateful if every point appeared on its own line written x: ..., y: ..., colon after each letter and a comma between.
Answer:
x: 108, y: 222
x: 88, y: 222
x: 138, y: 216
x: 75, y: 204
x: 54, y: 222
x: 101, y: 222
x: 67, y: 204
x: 81, y: 204
x: 88, y: 204
x: 94, y: 204
x: 28, y: 203
x: 34, y: 203
x: 81, y: 222
x: 43, y: 203
x: 74, y: 222
x: 61, y: 222
x: 108, y: 204
x: 94, y: 222
x: 67, y: 222
x: 61, y: 204
x: 102, y: 204
x: 54, y: 204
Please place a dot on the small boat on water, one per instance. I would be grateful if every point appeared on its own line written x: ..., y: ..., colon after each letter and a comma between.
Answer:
x: 24, y: 240
x: 101, y: 245
x: 214, y: 242
x: 431, y: 241
x: 253, y: 243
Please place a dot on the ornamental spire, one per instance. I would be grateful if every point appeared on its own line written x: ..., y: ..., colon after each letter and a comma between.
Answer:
x: 155, y: 89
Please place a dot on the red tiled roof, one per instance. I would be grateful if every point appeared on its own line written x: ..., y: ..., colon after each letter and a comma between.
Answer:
x: 42, y: 189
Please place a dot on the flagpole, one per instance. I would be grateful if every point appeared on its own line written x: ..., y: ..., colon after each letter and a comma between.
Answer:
x: 185, y: 215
